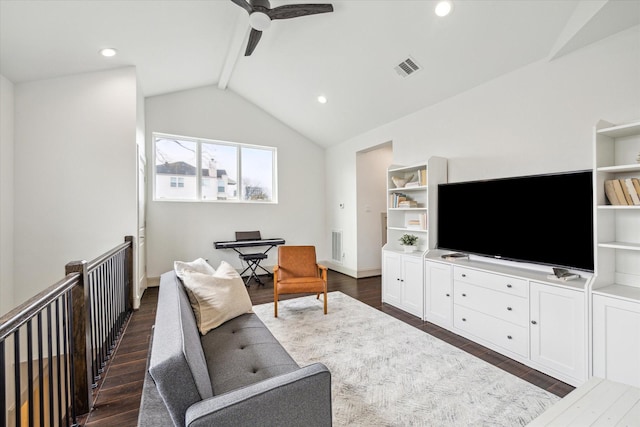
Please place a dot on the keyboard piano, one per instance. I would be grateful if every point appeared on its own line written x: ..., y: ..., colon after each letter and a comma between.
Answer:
x: 232, y: 244
x: 250, y: 239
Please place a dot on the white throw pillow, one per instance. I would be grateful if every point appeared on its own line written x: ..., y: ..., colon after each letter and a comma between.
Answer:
x: 199, y: 265
x: 216, y: 299
x: 225, y: 270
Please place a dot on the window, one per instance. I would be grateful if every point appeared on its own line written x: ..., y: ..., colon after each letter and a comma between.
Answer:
x: 177, y: 181
x: 196, y: 169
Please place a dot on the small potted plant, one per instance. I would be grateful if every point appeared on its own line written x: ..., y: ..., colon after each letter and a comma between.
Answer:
x: 409, y: 242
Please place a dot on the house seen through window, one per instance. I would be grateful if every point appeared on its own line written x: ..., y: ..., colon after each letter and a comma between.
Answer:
x: 196, y: 169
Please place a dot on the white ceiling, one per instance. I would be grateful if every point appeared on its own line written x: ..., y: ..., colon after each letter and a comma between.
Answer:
x: 348, y: 55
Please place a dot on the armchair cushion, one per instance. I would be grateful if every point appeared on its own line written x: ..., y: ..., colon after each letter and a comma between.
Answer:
x: 297, y: 261
x: 301, y: 284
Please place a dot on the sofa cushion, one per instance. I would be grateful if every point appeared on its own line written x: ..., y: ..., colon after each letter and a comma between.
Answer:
x: 243, y: 351
x: 216, y: 299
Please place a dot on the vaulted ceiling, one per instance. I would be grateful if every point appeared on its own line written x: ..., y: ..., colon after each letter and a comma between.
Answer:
x: 348, y: 55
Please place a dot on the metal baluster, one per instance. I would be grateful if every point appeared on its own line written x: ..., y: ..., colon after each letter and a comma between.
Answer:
x: 16, y: 367
x: 40, y: 370
x: 103, y: 319
x: 50, y: 355
x: 66, y: 324
x: 3, y: 382
x: 93, y: 298
x: 30, y: 372
x: 59, y: 371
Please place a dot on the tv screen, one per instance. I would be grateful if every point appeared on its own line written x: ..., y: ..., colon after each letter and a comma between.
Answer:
x: 541, y: 219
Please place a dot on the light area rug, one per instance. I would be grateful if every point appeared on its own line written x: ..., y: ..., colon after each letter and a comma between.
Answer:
x: 387, y: 373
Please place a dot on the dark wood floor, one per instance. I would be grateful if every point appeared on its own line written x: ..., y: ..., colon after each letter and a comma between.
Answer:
x: 117, y: 398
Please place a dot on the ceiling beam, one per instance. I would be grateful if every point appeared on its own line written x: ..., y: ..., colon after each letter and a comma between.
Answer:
x: 583, y: 14
x: 236, y: 43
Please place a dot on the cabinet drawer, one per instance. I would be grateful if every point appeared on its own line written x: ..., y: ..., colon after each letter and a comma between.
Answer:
x: 494, y: 281
x: 504, y: 334
x: 507, y: 307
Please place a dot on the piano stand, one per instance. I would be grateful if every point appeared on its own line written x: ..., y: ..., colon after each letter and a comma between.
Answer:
x: 250, y: 239
x: 253, y: 262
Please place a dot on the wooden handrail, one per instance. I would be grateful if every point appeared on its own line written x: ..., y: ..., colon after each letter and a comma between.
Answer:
x: 17, y: 317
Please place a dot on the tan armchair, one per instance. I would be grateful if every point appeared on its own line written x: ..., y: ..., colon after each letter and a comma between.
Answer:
x: 298, y: 272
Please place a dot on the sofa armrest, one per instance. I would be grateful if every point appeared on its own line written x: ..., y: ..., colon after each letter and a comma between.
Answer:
x: 302, y: 397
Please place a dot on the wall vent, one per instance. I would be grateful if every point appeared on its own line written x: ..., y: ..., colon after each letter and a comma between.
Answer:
x: 336, y: 246
x: 407, y: 67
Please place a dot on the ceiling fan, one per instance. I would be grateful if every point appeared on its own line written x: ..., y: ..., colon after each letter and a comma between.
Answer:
x: 261, y: 14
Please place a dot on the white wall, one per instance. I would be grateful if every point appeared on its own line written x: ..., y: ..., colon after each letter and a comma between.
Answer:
x: 535, y: 120
x: 371, y: 173
x: 141, y: 265
x: 187, y: 230
x: 6, y: 194
x: 75, y: 173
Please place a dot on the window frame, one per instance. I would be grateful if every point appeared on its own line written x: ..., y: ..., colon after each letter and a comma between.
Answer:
x: 198, y: 156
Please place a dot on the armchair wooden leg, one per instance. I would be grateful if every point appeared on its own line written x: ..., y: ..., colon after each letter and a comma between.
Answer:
x: 318, y: 295
x: 325, y: 301
x: 275, y: 302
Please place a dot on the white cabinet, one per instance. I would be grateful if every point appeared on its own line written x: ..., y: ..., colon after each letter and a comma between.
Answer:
x: 558, y: 331
x: 438, y: 290
x: 492, y: 307
x: 616, y: 339
x: 515, y: 311
x: 402, y: 284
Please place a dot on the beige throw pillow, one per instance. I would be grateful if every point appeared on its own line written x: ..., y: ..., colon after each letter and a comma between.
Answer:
x: 199, y: 265
x: 216, y: 299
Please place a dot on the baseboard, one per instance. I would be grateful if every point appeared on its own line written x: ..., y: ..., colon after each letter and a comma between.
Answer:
x: 356, y: 274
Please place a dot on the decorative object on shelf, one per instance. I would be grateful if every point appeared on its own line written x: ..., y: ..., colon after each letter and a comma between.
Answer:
x: 401, y: 182
x: 409, y: 242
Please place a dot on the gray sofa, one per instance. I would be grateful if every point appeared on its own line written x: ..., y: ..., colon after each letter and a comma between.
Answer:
x: 236, y: 375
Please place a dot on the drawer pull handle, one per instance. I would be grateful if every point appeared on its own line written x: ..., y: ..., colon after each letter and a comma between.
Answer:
x: 448, y: 295
x: 464, y: 275
x: 533, y: 322
x: 509, y: 285
x: 464, y: 320
x: 509, y: 337
x: 464, y: 295
x: 509, y: 309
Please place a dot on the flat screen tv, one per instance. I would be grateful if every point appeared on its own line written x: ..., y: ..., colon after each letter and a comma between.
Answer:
x: 540, y: 219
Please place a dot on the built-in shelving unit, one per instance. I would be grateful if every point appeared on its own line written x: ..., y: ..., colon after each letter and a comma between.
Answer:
x: 421, y: 191
x: 615, y: 294
x: 617, y: 227
x: 402, y: 272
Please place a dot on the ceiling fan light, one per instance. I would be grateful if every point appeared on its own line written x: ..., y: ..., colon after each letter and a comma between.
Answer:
x: 443, y: 8
x: 259, y: 21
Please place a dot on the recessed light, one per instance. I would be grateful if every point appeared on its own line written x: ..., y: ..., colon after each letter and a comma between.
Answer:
x: 443, y: 8
x: 322, y: 99
x: 108, y: 52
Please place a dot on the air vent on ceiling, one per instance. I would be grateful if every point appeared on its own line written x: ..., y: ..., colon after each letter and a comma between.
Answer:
x: 407, y: 67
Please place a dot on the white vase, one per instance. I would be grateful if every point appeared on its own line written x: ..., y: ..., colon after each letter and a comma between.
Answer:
x: 409, y: 248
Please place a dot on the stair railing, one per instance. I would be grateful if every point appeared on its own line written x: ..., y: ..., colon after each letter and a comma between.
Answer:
x: 54, y: 347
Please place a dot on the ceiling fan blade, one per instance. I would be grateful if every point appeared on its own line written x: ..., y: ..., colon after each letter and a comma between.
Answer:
x: 296, y: 10
x: 254, y: 38
x: 243, y: 4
